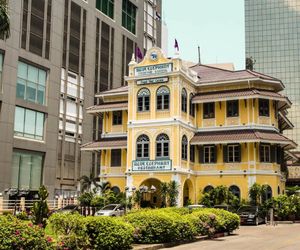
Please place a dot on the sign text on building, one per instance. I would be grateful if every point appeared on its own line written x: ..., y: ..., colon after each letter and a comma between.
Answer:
x: 153, y: 80
x: 156, y: 165
x: 153, y: 69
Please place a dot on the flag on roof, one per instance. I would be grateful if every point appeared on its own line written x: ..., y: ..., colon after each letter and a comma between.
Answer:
x: 176, y: 46
x: 138, y: 53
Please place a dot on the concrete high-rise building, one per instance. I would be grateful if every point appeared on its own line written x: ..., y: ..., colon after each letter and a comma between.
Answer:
x: 272, y: 40
x: 60, y: 53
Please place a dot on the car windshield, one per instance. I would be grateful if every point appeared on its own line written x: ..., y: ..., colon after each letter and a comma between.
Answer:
x: 247, y: 209
x: 109, y: 207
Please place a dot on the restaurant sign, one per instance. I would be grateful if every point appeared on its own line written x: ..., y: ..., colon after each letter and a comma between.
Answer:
x: 155, y: 165
x: 153, y: 80
x: 153, y: 69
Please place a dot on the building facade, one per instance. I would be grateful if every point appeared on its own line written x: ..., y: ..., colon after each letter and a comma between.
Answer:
x: 60, y: 53
x: 271, y: 29
x: 200, y: 126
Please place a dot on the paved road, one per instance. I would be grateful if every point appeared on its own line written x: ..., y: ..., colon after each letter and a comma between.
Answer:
x: 283, y: 237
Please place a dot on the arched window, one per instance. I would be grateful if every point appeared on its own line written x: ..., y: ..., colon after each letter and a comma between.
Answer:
x: 184, y: 147
x: 278, y: 190
x: 163, y: 98
x: 162, y: 145
x: 116, y: 189
x: 143, y: 100
x: 267, y: 194
x: 235, y: 190
x: 183, y: 100
x: 142, y: 147
x: 207, y: 189
x: 192, y: 106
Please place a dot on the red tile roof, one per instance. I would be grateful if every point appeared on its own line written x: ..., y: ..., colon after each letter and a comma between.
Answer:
x: 119, y: 90
x: 106, y: 143
x: 232, y: 136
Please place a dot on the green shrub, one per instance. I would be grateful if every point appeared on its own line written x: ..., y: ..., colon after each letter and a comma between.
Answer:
x: 109, y: 233
x: 181, y: 210
x: 17, y: 234
x: 69, y: 229
x: 208, y: 222
x: 228, y: 221
x: 160, y: 225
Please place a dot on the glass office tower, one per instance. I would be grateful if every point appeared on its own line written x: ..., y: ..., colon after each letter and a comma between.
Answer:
x: 272, y: 40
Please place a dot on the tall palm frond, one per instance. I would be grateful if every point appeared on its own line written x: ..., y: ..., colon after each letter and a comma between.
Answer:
x: 87, y: 182
x: 4, y: 20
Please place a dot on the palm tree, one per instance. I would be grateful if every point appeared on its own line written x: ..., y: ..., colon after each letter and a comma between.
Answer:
x: 173, y: 193
x: 86, y: 182
x: 104, y: 186
x: 164, y: 190
x: 4, y: 20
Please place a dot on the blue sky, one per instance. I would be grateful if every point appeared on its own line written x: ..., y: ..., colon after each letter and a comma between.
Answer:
x: 217, y: 26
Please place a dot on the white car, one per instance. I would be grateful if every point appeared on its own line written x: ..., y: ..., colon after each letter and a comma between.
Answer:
x: 111, y: 210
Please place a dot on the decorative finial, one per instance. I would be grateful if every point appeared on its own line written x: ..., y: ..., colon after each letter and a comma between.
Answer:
x: 132, y: 62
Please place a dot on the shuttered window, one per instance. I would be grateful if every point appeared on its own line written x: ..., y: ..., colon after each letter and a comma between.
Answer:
x: 232, y: 153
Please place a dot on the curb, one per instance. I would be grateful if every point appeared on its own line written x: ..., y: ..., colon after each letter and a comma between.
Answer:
x: 173, y: 244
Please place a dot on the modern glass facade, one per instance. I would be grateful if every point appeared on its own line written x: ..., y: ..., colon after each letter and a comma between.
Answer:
x: 272, y: 40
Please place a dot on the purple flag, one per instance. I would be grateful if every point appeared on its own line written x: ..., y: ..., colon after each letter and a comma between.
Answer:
x: 176, y: 46
x: 138, y: 53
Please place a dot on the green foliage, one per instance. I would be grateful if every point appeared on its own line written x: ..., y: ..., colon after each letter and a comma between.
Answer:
x: 108, y: 233
x: 292, y: 190
x: 164, y: 190
x: 220, y: 196
x: 40, y: 208
x: 286, y: 207
x: 85, y: 199
x: 86, y: 182
x: 4, y: 20
x: 255, y: 193
x: 173, y: 193
x: 228, y: 221
x: 69, y: 229
x: 78, y: 232
x: 17, y: 234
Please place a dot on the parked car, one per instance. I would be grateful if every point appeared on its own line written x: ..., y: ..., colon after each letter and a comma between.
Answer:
x: 67, y: 209
x: 250, y: 215
x: 111, y: 210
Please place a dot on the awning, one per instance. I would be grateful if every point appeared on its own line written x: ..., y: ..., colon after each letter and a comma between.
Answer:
x: 246, y: 135
x: 217, y: 96
x: 106, y: 107
x: 105, y: 143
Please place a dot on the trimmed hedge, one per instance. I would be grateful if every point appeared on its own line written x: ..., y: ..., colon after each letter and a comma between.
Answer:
x: 17, y: 234
x: 77, y: 232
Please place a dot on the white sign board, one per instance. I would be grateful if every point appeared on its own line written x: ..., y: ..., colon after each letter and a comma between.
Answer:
x: 153, y: 80
x: 153, y: 69
x: 156, y: 165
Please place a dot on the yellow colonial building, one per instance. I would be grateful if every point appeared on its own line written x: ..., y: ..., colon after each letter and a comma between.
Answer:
x: 201, y: 126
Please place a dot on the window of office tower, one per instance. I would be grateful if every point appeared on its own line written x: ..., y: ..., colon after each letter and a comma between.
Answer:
x: 29, y: 123
x: 106, y: 7
x: 129, y: 16
x: 31, y: 83
x: 27, y: 169
x: 74, y: 37
x: 36, y: 17
x: 149, y: 24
